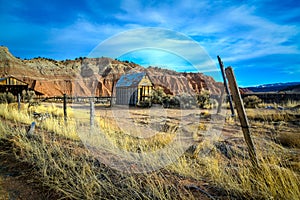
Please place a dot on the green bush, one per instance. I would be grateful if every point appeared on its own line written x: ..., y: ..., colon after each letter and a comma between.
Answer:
x: 7, y: 98
x: 175, y: 102
x: 252, y: 101
x: 28, y: 96
x: 203, y: 99
x: 187, y: 101
x: 169, y: 101
x: 166, y: 101
x: 179, y: 101
x: 158, y: 95
x: 145, y: 103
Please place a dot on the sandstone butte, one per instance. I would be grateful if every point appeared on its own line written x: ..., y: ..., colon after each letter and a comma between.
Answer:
x: 95, y: 76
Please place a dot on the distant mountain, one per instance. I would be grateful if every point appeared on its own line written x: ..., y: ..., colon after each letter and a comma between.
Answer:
x: 293, y: 88
x: 275, y: 87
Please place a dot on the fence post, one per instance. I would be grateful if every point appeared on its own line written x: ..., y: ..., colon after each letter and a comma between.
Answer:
x: 92, y: 113
x: 112, y: 90
x: 226, y: 85
x: 65, y: 107
x: 220, y: 101
x: 242, y: 114
x: 19, y: 101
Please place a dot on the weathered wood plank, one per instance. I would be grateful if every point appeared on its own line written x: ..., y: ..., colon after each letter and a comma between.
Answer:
x: 242, y: 114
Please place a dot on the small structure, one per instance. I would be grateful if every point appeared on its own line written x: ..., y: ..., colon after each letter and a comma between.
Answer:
x: 12, y: 85
x: 133, y: 89
x: 15, y: 86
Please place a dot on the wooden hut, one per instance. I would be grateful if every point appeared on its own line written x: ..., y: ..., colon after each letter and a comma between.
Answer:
x: 12, y: 85
x: 133, y: 89
x: 15, y: 86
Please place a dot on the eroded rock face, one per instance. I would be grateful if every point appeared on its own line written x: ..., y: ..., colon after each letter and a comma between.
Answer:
x: 178, y: 83
x: 95, y: 76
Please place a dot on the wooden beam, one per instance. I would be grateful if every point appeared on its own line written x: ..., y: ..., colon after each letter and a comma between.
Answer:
x: 242, y: 114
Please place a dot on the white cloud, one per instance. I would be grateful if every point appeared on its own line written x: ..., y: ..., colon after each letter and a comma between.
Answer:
x: 156, y: 41
x: 243, y: 35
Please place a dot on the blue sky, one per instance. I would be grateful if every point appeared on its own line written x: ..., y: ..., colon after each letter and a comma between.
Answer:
x: 260, y: 39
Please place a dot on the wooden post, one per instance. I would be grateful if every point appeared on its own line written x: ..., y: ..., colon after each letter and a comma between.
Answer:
x: 19, y: 101
x: 112, y: 90
x: 226, y: 85
x: 220, y: 101
x: 242, y: 114
x: 92, y: 113
x: 65, y: 107
x: 31, y: 128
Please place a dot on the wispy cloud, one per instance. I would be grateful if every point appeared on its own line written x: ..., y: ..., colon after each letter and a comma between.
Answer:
x: 243, y: 35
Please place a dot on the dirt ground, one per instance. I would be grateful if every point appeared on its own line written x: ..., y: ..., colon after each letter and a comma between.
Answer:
x: 14, y: 184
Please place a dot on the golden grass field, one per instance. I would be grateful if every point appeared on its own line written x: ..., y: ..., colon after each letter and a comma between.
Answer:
x: 148, y: 154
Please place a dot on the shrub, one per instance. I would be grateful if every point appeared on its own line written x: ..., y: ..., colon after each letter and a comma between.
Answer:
x: 175, y: 102
x: 252, y: 101
x: 166, y: 101
x: 7, y: 97
x: 158, y: 95
x: 28, y: 96
x: 203, y: 99
x: 145, y: 103
x: 288, y: 139
x: 187, y: 101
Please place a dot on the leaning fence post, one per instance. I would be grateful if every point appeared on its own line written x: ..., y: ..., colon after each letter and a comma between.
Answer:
x: 242, y: 114
x: 226, y: 85
x: 65, y: 107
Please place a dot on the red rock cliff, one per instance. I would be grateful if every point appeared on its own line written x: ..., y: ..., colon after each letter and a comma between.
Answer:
x: 95, y: 76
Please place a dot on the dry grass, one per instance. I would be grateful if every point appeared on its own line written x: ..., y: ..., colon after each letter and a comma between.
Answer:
x: 289, y: 139
x: 3, y: 194
x: 55, y: 123
x: 291, y: 104
x: 265, y: 115
x: 240, y: 179
x: 68, y: 168
x: 63, y: 164
x: 132, y: 143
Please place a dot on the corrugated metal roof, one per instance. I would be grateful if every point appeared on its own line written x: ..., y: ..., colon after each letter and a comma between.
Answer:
x: 130, y: 80
x: 2, y: 79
